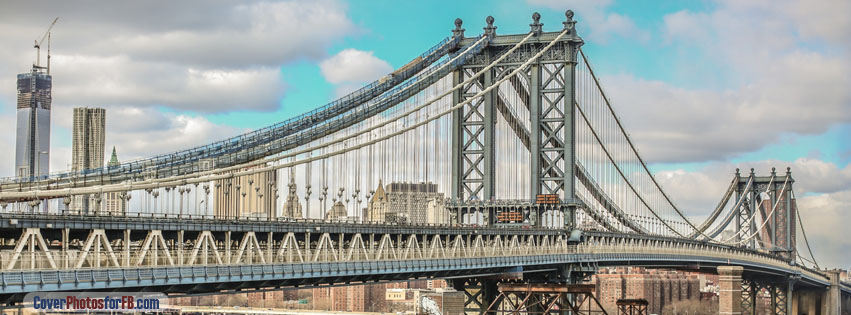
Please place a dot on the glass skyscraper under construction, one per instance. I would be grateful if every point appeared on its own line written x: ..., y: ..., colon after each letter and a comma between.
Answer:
x: 32, y: 146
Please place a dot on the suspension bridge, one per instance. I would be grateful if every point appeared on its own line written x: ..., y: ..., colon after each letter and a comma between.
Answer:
x: 484, y: 156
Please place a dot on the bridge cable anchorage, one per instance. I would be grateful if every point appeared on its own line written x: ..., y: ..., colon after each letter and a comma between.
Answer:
x: 217, y: 173
x: 753, y: 216
x: 748, y: 238
x: 629, y: 142
x: 628, y: 182
x: 343, y: 104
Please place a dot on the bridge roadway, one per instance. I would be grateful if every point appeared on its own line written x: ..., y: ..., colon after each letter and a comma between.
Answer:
x: 97, y: 260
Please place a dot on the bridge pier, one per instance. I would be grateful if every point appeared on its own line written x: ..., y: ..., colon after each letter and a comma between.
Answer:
x: 818, y: 301
x: 806, y: 302
x: 834, y: 294
x: 479, y: 293
x: 730, y: 290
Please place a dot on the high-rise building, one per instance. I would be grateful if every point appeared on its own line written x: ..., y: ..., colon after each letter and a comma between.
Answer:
x: 115, y: 201
x: 337, y: 212
x: 88, y: 141
x: 32, y: 145
x: 354, y: 298
x: 659, y: 287
x: 406, y: 203
x: 246, y: 196
x: 377, y: 205
x: 292, y: 207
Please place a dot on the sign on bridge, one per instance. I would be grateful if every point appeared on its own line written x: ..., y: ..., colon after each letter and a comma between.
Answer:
x: 550, y: 199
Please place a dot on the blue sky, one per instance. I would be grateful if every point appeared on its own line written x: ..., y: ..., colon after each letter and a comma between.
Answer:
x: 396, y: 38
x: 703, y: 87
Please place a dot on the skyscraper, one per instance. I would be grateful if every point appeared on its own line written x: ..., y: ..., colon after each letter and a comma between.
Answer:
x: 407, y: 203
x: 292, y: 208
x: 32, y: 145
x: 115, y: 202
x: 88, y: 141
x: 246, y: 196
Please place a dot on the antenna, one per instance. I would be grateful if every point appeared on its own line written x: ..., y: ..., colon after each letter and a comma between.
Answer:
x: 48, y: 53
x: 37, y: 45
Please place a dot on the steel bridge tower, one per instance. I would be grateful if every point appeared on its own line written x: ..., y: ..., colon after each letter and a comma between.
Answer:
x: 547, y: 90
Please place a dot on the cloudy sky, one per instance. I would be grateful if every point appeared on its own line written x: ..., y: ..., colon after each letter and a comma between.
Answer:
x: 703, y: 86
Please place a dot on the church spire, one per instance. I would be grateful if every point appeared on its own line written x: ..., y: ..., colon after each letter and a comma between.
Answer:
x: 113, y: 161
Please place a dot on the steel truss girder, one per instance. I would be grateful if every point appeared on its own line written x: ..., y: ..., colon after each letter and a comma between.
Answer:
x: 529, y: 298
x: 754, y: 289
x: 309, y: 257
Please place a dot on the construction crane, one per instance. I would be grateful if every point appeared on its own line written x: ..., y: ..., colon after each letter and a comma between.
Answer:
x: 37, y: 47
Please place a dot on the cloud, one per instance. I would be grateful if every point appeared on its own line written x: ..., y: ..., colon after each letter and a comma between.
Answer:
x: 812, y: 177
x: 602, y: 25
x: 199, y: 56
x: 180, y: 132
x: 7, y: 160
x: 102, y: 81
x: 783, y: 76
x: 351, y: 68
x: 136, y: 132
x: 823, y: 191
x: 142, y: 62
x: 823, y: 217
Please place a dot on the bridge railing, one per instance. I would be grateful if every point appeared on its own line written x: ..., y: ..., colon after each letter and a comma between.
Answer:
x: 190, y: 257
x: 75, y: 259
x: 195, y: 218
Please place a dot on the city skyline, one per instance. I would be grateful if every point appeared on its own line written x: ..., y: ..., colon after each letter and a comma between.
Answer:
x: 348, y: 45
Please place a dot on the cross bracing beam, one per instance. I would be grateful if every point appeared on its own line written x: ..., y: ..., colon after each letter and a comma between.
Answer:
x: 581, y: 174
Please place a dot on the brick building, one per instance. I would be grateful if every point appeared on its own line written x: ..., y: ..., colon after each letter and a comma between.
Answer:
x: 658, y: 287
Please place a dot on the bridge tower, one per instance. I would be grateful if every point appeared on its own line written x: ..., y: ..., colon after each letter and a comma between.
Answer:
x: 546, y: 89
x: 768, y: 198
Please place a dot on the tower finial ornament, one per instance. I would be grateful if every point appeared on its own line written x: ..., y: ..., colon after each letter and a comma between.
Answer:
x: 569, y: 23
x: 490, y: 30
x: 536, y: 25
x: 458, y: 31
